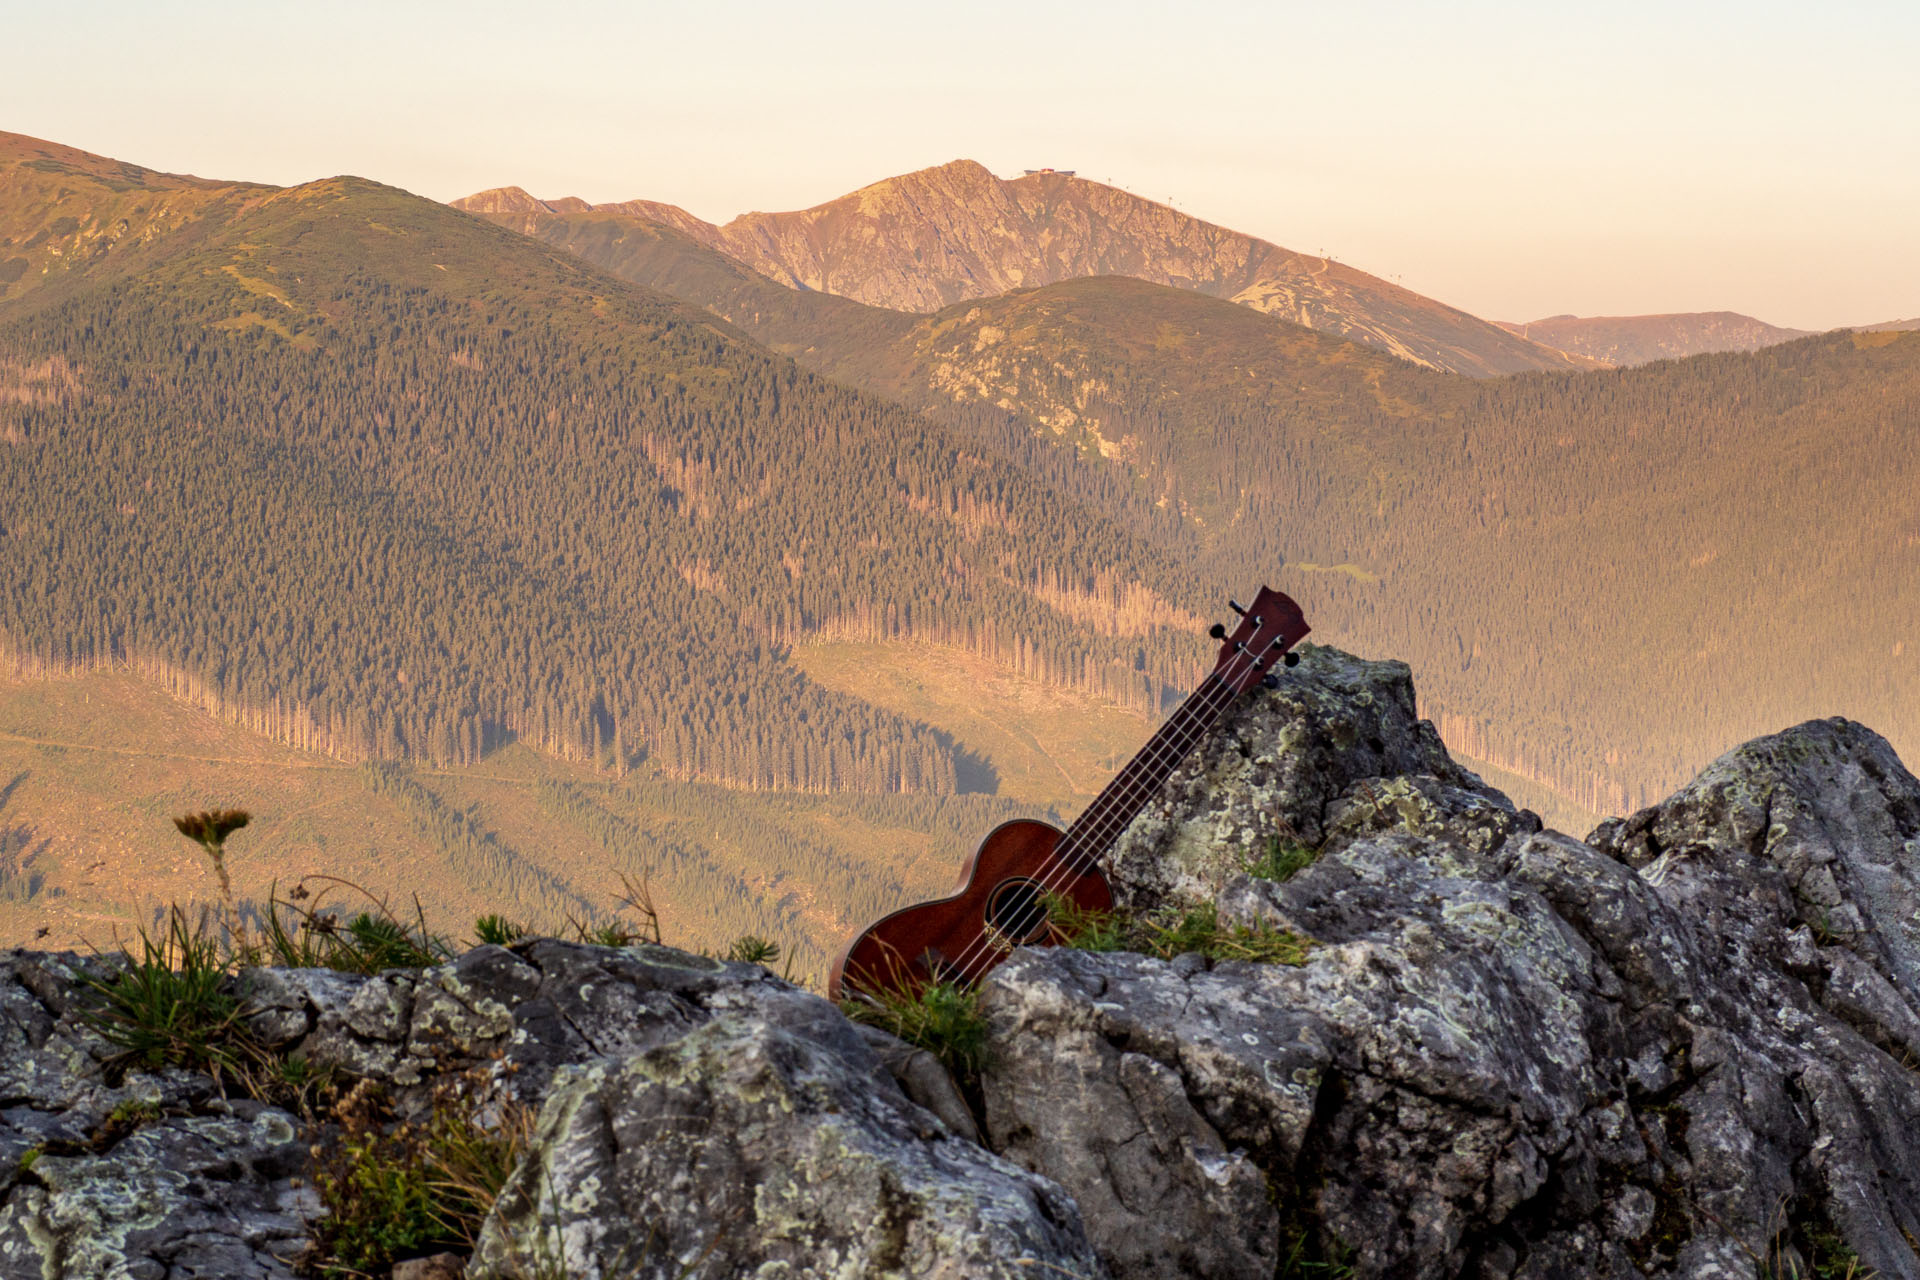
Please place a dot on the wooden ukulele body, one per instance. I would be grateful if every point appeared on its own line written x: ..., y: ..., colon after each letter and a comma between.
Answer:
x: 996, y: 907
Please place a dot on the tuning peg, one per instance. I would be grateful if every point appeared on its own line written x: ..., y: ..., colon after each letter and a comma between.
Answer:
x: 1269, y: 681
x: 1292, y: 659
x: 1217, y: 631
x: 1237, y: 607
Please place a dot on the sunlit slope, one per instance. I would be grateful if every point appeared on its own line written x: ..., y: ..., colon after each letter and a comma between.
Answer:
x: 1631, y: 340
x: 389, y: 482
x: 67, y: 216
x: 1039, y: 744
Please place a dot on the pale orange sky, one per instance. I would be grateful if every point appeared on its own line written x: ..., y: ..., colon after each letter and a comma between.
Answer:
x: 1517, y: 160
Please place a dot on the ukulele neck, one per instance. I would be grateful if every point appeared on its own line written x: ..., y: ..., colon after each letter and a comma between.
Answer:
x: 1094, y: 832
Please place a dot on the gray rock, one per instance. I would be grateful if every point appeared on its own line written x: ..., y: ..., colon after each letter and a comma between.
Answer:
x: 741, y: 1147
x: 1794, y: 864
x: 1116, y: 1076
x: 1511, y: 1053
x: 285, y: 1005
x: 206, y: 1197
x: 922, y: 1078
x: 1272, y: 768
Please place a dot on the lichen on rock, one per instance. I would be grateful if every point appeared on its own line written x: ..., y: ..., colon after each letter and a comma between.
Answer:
x: 1681, y: 1049
x: 741, y: 1148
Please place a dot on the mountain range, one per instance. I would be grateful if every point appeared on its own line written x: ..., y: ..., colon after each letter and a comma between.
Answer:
x: 1632, y: 340
x: 780, y: 595
x: 926, y: 240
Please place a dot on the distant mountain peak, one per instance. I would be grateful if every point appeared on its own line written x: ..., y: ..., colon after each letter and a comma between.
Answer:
x: 516, y: 208
x: 955, y: 232
x: 496, y: 200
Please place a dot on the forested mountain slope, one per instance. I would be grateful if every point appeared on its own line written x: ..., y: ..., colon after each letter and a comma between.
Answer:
x: 1631, y: 340
x: 1605, y: 579
x: 924, y: 240
x: 388, y: 482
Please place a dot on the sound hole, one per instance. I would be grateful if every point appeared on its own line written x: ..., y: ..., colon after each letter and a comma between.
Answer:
x: 1016, y: 911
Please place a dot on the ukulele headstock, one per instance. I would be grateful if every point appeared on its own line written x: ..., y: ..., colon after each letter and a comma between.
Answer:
x: 1267, y: 631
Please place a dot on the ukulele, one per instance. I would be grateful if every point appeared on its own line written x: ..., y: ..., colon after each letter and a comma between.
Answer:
x: 1001, y: 902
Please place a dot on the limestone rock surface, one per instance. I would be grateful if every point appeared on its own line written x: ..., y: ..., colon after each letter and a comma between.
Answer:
x: 149, y: 1176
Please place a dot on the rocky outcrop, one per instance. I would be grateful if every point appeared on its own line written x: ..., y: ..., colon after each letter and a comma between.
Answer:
x: 645, y: 1062
x: 742, y: 1149
x: 1336, y: 749
x: 1683, y: 1047
x: 153, y: 1175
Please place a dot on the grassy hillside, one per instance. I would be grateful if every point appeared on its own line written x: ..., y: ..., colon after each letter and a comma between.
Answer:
x: 468, y: 566
x: 69, y: 218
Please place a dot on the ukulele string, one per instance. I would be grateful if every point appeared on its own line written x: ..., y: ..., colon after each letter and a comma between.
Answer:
x: 1202, y: 712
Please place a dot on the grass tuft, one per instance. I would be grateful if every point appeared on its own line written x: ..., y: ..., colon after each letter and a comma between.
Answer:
x: 944, y: 1019
x: 751, y: 949
x: 497, y: 931
x: 169, y: 1005
x: 1165, y: 935
x: 1284, y: 859
x: 301, y: 932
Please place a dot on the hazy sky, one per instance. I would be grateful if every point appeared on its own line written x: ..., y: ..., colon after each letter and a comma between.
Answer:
x: 1517, y: 160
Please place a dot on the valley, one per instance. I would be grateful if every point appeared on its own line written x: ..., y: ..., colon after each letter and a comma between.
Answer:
x: 1484, y: 523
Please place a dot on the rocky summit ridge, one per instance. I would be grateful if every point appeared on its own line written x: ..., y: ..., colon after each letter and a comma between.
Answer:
x: 956, y: 232
x: 1684, y: 1046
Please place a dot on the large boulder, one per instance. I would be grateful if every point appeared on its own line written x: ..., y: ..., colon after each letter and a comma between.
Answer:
x: 1683, y: 1049
x: 801, y: 1133
x: 741, y: 1148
